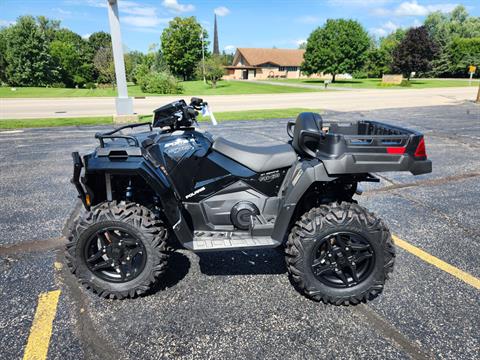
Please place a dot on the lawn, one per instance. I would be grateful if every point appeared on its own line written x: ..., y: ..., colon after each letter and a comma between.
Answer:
x: 375, y: 83
x: 190, y: 88
x: 51, y: 122
x: 108, y: 120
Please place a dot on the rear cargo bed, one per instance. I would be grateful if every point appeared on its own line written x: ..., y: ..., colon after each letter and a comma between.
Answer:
x: 371, y: 146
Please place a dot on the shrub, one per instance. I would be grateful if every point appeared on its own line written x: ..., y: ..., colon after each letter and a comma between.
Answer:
x: 159, y: 83
x: 406, y: 83
x: 57, y: 85
x: 79, y: 80
x: 381, y: 84
x: 360, y: 74
x: 90, y: 85
x: 105, y: 86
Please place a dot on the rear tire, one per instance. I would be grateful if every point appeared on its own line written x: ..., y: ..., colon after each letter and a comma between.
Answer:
x: 124, y: 234
x: 340, y: 254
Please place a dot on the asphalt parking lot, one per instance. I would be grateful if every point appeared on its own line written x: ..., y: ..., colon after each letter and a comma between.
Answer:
x: 241, y: 305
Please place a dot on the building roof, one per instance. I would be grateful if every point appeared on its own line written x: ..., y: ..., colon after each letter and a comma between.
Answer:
x: 281, y: 57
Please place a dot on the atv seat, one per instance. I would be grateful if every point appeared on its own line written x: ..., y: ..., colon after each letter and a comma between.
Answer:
x: 257, y: 158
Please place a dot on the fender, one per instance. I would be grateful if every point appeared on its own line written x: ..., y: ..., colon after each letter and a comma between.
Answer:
x: 301, y: 175
x: 154, y: 177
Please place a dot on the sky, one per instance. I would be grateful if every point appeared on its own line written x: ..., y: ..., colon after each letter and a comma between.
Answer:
x: 241, y: 23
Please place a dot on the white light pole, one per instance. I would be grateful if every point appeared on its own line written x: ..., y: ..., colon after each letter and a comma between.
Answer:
x: 203, y: 57
x: 123, y: 104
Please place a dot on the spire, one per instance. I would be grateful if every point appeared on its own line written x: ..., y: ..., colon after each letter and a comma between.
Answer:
x: 216, y: 51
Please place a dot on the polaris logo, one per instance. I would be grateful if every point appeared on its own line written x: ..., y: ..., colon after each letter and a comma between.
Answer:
x: 198, y: 191
x: 177, y: 142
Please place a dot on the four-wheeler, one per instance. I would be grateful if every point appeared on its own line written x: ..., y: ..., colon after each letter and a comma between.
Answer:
x: 147, y: 193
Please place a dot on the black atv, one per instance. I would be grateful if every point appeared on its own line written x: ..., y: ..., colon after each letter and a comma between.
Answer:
x: 146, y: 193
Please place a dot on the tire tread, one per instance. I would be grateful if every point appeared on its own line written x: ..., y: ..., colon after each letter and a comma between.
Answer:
x: 334, y: 214
x: 135, y: 215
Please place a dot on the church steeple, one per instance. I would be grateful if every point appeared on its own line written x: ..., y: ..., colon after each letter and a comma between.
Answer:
x: 216, y: 50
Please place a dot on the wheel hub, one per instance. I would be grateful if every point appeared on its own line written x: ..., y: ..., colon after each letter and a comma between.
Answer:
x: 115, y: 255
x: 114, y: 252
x: 343, y: 259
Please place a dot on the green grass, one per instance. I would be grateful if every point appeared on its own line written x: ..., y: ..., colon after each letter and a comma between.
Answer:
x: 190, y: 88
x: 40, y: 123
x: 108, y: 120
x: 375, y: 83
x: 259, y: 114
x: 249, y: 114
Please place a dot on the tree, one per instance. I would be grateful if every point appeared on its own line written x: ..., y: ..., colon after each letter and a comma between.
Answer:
x: 444, y: 29
x: 96, y: 41
x: 48, y: 27
x: 462, y: 53
x: 3, y: 49
x: 103, y: 62
x: 132, y: 60
x: 388, y: 44
x: 415, y: 52
x: 27, y: 55
x: 182, y: 45
x: 99, y: 40
x: 377, y: 62
x: 335, y: 48
x: 71, y: 54
x: 214, y: 70
x: 153, y: 61
x: 227, y: 58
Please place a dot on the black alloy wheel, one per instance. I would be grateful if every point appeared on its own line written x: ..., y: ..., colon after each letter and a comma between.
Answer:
x: 343, y: 259
x: 118, y: 249
x: 115, y: 255
x: 340, y: 253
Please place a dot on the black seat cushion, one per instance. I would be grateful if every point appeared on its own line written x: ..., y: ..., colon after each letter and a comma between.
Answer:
x: 257, y: 158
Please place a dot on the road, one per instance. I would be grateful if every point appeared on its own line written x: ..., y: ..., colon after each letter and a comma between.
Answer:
x: 241, y: 305
x: 353, y: 100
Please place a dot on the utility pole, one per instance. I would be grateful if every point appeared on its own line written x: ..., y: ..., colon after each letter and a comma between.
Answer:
x: 478, y: 94
x: 203, y: 57
x: 123, y: 103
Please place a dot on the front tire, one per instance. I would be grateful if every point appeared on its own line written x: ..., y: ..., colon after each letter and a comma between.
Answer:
x: 340, y: 254
x: 118, y: 249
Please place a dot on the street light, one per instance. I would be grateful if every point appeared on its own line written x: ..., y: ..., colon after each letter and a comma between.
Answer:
x: 123, y: 103
x: 203, y: 56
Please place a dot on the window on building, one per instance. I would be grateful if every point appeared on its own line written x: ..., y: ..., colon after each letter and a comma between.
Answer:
x: 267, y: 65
x: 281, y: 68
x: 292, y: 68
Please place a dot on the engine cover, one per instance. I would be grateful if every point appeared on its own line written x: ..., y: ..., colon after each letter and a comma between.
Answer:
x: 241, y: 213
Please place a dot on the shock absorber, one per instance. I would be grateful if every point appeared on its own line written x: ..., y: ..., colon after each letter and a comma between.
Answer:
x: 129, y: 192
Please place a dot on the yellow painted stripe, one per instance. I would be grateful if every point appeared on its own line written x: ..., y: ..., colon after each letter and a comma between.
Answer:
x: 41, y: 330
x: 452, y: 270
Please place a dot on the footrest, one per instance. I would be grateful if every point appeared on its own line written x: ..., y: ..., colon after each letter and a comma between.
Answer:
x: 226, y: 240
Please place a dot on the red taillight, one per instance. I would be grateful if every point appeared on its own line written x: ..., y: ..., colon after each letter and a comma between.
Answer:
x: 421, y: 152
x: 396, y: 150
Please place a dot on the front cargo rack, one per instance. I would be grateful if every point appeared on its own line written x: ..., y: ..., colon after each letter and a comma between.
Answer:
x: 111, y: 134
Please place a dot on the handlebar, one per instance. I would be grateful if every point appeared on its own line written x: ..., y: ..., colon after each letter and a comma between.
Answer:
x: 178, y: 114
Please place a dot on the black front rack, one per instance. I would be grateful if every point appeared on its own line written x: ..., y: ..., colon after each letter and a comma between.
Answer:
x: 110, y: 135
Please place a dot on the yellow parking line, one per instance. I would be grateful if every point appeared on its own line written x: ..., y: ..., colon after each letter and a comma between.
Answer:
x: 41, y: 330
x: 452, y: 270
